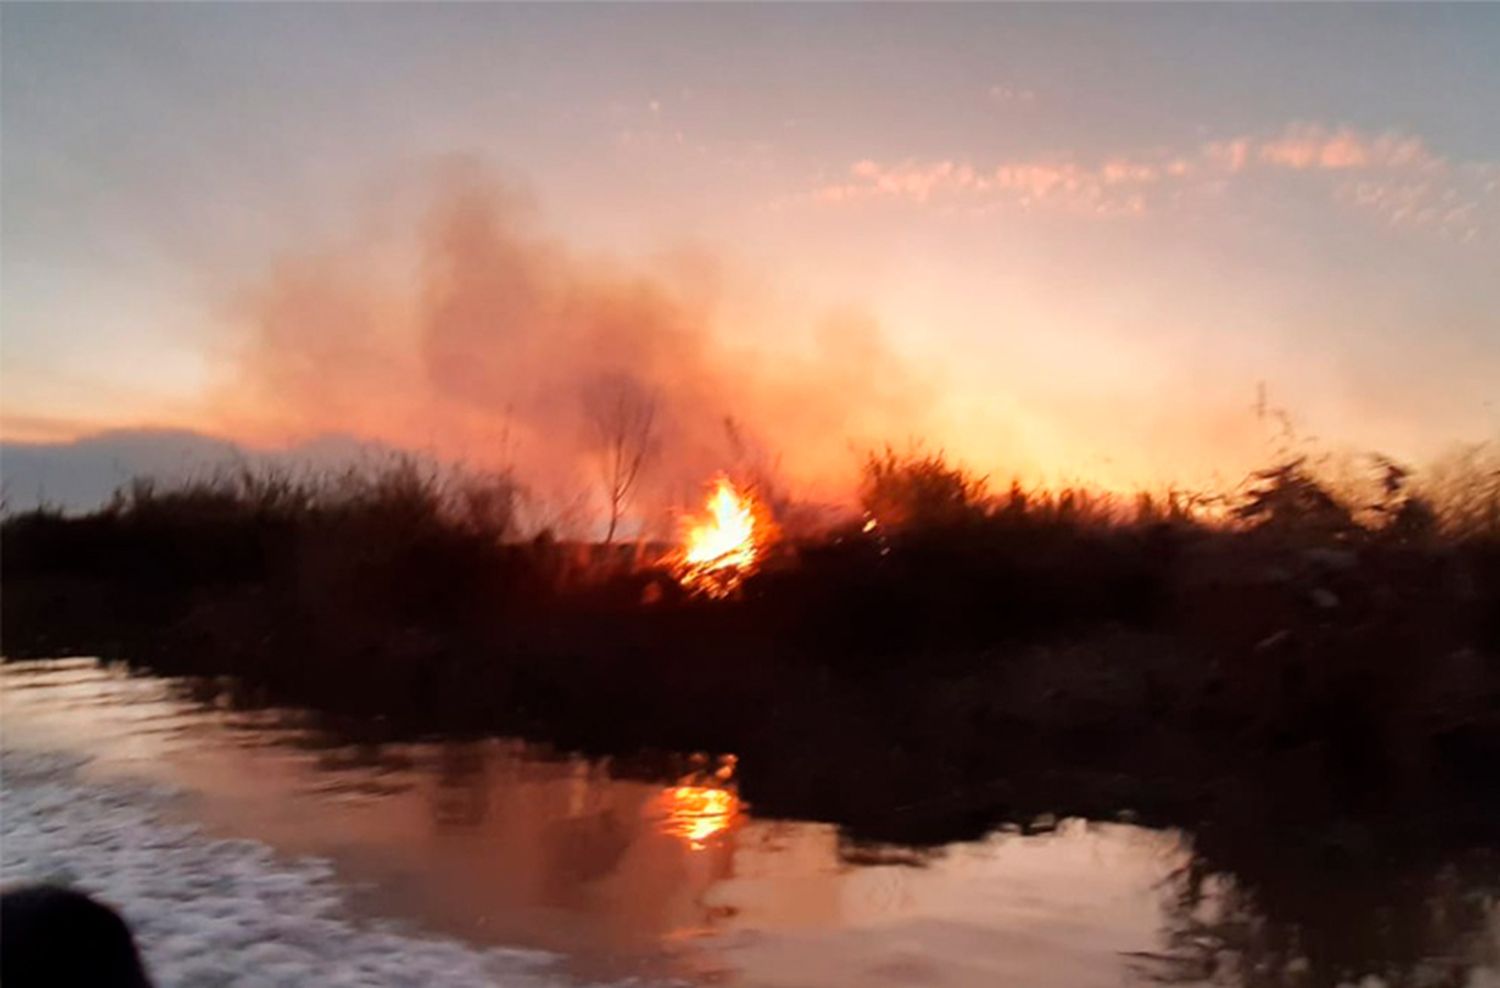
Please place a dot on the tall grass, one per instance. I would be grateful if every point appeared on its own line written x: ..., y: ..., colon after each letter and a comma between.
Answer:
x: 399, y: 491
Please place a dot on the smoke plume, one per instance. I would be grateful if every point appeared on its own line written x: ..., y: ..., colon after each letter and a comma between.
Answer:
x: 476, y: 338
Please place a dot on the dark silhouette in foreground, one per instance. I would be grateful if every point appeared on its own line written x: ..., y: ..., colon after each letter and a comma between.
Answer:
x: 1298, y: 660
x: 54, y: 937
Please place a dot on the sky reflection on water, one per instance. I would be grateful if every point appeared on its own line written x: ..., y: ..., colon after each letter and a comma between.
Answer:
x: 667, y: 873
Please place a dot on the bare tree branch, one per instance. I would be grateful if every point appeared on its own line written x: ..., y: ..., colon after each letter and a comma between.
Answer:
x: 622, y: 416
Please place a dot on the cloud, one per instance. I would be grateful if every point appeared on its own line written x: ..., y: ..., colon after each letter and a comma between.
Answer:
x: 1311, y: 146
x: 1044, y: 184
x: 1391, y: 175
x: 1424, y: 204
x: 1010, y: 94
x: 1229, y: 156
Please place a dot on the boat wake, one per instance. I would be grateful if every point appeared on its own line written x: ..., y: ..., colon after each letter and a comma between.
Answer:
x: 208, y: 911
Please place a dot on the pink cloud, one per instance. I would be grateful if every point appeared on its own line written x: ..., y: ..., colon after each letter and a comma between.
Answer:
x: 1011, y: 94
x: 1229, y: 156
x: 1312, y: 146
x: 1452, y: 210
x: 1118, y: 170
x: 1106, y: 189
x: 1305, y: 147
x: 1392, y: 175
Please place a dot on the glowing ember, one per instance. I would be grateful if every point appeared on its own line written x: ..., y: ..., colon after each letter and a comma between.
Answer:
x: 697, y: 813
x: 720, y: 549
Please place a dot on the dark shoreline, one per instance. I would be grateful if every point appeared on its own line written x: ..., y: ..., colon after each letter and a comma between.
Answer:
x: 1302, y: 690
x: 981, y: 675
x: 1309, y: 706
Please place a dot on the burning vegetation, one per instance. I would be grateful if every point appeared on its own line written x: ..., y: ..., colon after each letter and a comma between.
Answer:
x: 725, y: 545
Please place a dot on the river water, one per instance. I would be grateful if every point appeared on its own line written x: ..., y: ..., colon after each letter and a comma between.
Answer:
x: 249, y: 847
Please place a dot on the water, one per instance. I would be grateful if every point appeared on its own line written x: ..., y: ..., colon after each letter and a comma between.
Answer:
x: 500, y: 862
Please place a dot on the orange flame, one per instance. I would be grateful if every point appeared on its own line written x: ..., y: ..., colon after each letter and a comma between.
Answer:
x: 720, y: 549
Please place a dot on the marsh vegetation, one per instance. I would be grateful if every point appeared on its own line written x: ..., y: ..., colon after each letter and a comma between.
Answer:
x: 1295, y: 657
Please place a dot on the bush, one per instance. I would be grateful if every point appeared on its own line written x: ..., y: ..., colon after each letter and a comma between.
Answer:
x: 918, y: 490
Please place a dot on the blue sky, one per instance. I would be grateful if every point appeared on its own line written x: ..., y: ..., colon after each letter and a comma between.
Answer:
x: 1081, y: 234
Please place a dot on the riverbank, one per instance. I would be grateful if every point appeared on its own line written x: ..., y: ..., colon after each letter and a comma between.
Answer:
x: 988, y: 660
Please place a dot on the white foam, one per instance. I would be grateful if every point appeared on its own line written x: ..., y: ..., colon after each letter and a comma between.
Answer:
x: 212, y: 912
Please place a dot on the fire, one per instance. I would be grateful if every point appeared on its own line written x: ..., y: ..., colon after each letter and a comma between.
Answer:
x: 722, y: 548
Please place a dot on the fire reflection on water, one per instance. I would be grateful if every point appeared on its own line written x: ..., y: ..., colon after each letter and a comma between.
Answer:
x: 703, y: 805
x: 504, y: 843
x: 698, y: 814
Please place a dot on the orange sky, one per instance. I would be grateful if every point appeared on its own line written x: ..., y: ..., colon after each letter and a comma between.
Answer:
x: 1064, y: 244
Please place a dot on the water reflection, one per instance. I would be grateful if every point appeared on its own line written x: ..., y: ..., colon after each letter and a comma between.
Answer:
x: 1300, y: 919
x: 460, y: 797
x: 660, y: 869
x: 699, y: 813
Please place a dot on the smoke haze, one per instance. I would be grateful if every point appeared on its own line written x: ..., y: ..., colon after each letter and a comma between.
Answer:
x: 486, y: 342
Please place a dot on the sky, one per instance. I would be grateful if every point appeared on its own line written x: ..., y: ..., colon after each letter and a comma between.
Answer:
x: 1068, y: 243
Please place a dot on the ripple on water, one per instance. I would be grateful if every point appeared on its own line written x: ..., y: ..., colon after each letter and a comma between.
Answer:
x: 219, y: 912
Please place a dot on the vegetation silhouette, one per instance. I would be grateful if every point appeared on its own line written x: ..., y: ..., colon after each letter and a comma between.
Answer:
x: 622, y: 418
x: 1296, y: 658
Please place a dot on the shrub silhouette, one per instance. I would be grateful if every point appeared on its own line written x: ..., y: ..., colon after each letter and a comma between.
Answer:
x: 1287, y: 500
x: 916, y: 489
